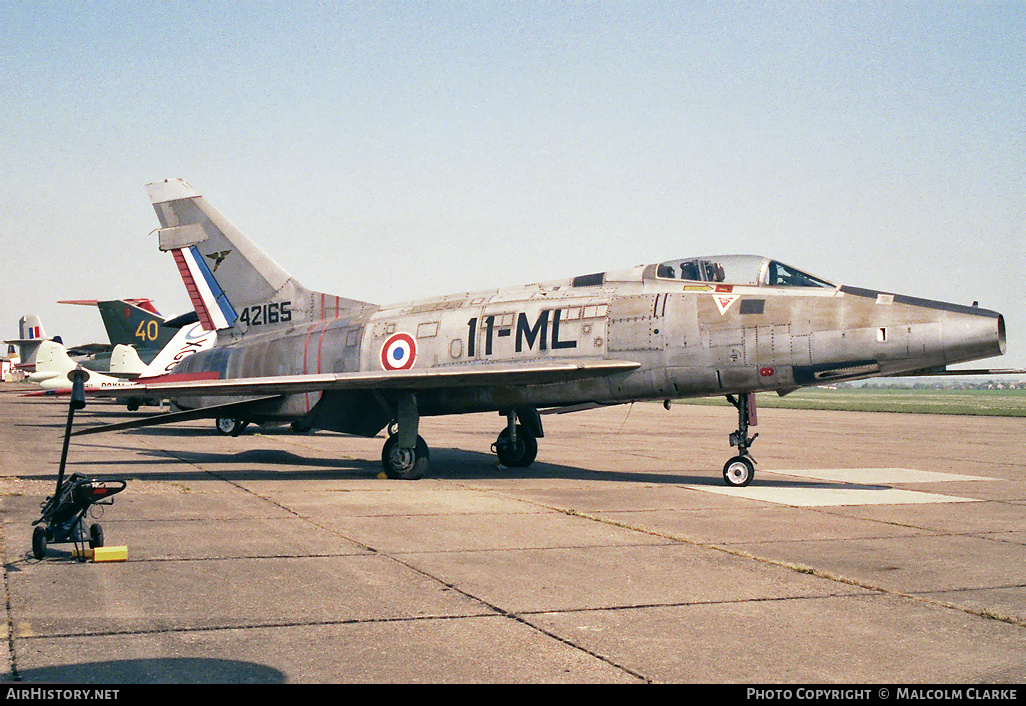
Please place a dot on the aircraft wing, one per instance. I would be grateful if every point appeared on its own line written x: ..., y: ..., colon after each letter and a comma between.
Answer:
x: 931, y: 372
x: 473, y: 375
x: 89, y: 348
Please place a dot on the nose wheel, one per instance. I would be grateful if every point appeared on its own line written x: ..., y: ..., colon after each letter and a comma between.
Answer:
x: 738, y: 471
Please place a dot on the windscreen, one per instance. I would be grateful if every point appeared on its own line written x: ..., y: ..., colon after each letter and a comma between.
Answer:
x: 738, y: 269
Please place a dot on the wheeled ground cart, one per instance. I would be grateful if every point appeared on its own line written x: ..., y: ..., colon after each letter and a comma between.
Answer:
x: 63, y: 514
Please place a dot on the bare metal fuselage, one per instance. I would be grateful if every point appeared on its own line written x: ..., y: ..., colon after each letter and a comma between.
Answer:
x: 728, y: 325
x: 691, y: 339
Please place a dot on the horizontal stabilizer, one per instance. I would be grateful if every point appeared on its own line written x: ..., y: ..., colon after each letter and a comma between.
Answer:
x: 221, y: 410
x: 89, y: 348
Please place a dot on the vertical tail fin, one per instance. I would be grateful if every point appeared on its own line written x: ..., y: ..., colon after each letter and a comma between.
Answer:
x: 30, y: 335
x: 30, y: 327
x: 134, y: 322
x: 233, y: 284
x: 125, y: 360
x: 192, y: 338
x: 52, y: 362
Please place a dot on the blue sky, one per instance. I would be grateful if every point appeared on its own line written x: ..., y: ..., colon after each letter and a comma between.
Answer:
x: 386, y: 151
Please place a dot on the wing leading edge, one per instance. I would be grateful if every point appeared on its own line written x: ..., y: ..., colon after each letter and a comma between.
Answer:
x: 415, y: 379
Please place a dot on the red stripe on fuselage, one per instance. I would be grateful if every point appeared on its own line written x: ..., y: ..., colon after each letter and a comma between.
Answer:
x: 306, y: 355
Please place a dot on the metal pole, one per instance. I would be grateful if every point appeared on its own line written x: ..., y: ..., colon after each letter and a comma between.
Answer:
x: 78, y: 378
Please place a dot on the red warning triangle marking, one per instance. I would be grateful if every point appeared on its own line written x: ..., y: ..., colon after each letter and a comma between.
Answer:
x: 725, y: 301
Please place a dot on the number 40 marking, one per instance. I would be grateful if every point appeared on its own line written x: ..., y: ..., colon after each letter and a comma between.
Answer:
x: 148, y: 330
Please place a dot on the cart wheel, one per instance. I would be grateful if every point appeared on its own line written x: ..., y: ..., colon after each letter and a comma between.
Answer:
x: 39, y: 542
x: 95, y: 536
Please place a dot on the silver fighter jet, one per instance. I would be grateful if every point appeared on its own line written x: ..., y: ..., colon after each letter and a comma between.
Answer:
x: 689, y: 327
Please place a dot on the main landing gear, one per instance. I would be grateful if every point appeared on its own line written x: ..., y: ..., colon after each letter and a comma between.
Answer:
x: 229, y: 426
x: 739, y: 471
x: 405, y: 463
x: 405, y: 455
x: 517, y: 444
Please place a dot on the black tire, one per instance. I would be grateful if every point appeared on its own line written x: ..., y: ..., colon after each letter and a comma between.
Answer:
x: 227, y: 426
x: 39, y: 542
x: 95, y: 536
x: 738, y: 472
x: 408, y: 464
x: 519, y: 455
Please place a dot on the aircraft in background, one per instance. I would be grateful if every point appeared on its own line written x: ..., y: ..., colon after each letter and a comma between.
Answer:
x: 30, y: 334
x: 53, y: 365
x: 690, y: 327
x: 133, y: 322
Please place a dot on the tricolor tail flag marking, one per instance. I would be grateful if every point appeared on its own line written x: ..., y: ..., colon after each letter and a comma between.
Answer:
x: 212, y: 306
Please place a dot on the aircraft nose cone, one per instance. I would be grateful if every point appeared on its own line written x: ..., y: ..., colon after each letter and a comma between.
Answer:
x: 973, y: 335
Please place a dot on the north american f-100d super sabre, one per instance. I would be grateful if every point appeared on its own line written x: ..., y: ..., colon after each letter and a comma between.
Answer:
x: 689, y: 327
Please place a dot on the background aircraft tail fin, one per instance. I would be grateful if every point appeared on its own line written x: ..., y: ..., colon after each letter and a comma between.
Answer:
x: 188, y: 340
x: 30, y: 335
x: 30, y: 327
x: 52, y: 361
x: 125, y: 360
x: 233, y: 284
x: 192, y: 338
x: 134, y: 322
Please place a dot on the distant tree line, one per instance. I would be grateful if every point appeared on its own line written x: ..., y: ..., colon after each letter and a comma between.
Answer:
x: 941, y: 384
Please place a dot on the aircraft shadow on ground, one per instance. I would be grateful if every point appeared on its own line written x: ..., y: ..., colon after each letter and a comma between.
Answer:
x: 459, y: 464
x: 446, y: 463
x: 175, y: 670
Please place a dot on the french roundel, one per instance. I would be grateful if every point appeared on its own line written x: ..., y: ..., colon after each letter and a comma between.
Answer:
x: 399, y: 352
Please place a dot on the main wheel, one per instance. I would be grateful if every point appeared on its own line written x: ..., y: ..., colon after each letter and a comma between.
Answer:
x: 405, y: 464
x: 738, y: 471
x: 95, y: 535
x: 228, y: 426
x: 39, y: 542
x: 518, y: 455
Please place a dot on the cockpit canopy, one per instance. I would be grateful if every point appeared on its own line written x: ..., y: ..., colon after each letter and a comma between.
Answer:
x: 738, y: 269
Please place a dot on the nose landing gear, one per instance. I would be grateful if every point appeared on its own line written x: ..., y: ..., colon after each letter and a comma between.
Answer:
x: 739, y: 471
